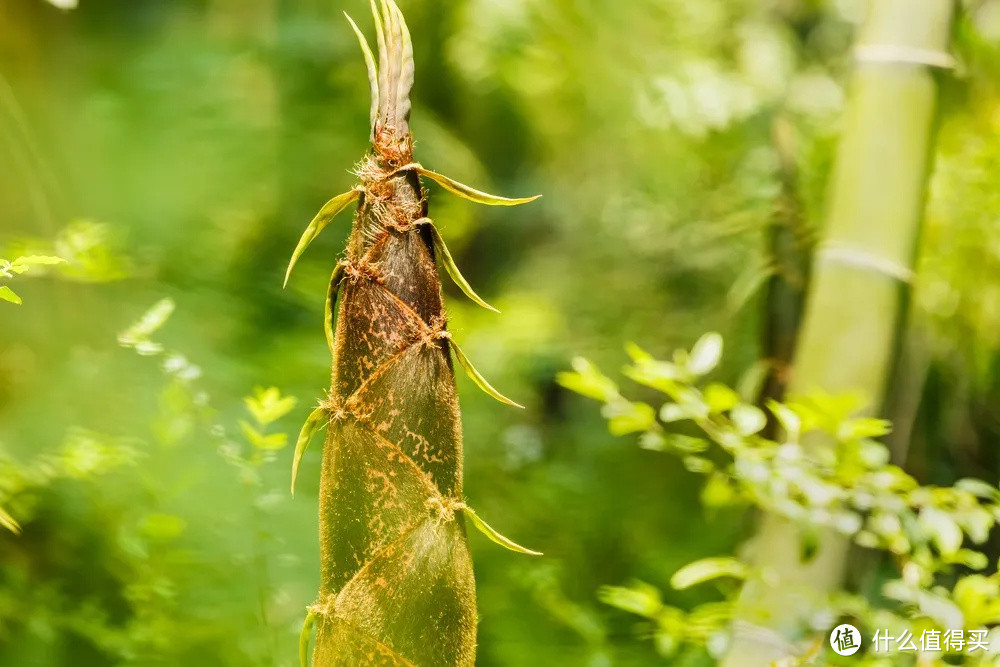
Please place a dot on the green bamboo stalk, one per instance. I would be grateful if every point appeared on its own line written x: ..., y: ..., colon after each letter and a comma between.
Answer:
x: 861, y: 274
x: 397, y: 584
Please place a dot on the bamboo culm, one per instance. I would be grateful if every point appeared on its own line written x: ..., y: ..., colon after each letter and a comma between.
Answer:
x: 397, y: 584
x: 857, y: 293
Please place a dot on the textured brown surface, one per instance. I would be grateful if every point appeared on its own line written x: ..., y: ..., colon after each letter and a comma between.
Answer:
x: 397, y: 584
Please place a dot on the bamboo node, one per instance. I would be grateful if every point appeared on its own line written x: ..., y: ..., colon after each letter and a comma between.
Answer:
x: 325, y: 607
x: 443, y: 509
x: 862, y: 258
x: 903, y: 55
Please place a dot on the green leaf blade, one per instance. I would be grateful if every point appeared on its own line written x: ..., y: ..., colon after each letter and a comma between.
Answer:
x: 441, y: 249
x: 7, y: 294
x: 477, y: 377
x: 315, y: 421
x: 490, y: 532
x: 330, y: 210
x: 470, y: 193
x: 707, y: 569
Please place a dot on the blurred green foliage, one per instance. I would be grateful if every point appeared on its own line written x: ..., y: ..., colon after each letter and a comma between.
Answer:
x: 850, y: 488
x: 174, y: 149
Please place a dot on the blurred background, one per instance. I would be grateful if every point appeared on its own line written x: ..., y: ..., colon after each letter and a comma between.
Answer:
x: 172, y: 151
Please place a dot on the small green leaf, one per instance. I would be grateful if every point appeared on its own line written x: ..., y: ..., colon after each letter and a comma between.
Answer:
x: 441, y: 250
x: 370, y: 65
x: 978, y: 488
x: 465, y: 191
x: 863, y: 427
x: 588, y: 381
x: 272, y: 441
x: 720, y: 398
x: 316, y: 420
x: 138, y: 335
x: 268, y: 405
x: 331, y: 302
x: 789, y: 421
x: 639, y: 598
x: 748, y: 419
x: 22, y: 264
x: 626, y: 417
x: 491, y: 533
x: 7, y: 294
x: 325, y: 216
x: 707, y: 569
x: 304, y: 635
x: 672, y: 412
x: 476, y: 377
x: 9, y: 522
x: 943, y: 530
x: 705, y: 354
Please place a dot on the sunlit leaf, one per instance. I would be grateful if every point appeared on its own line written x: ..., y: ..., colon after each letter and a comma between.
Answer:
x: 467, y: 192
x: 268, y: 405
x: 441, y: 250
x: 7, y: 294
x: 325, y: 216
x: 639, y: 598
x: 137, y: 335
x: 707, y: 569
x: 22, y: 264
x: 626, y: 417
x: 9, y: 522
x: 748, y: 419
x: 316, y: 420
x: 705, y: 354
x: 477, y: 377
x: 789, y: 421
x: 588, y: 381
x: 491, y: 533
x: 271, y: 441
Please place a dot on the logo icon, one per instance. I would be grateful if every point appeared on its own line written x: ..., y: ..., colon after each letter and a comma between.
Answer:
x: 845, y: 639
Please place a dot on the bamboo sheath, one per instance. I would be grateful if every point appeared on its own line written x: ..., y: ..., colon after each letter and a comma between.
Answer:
x: 397, y: 584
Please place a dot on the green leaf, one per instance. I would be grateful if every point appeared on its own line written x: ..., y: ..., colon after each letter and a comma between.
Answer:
x: 465, y: 191
x: 748, y: 419
x: 639, y: 598
x: 268, y: 405
x: 707, y: 569
x: 331, y: 301
x: 705, y: 354
x: 626, y: 417
x: 720, y: 398
x: 7, y: 294
x: 22, y: 264
x: 476, y: 377
x: 588, y: 381
x: 9, y: 522
x: 978, y: 488
x: 271, y: 442
x: 441, y: 250
x: 943, y: 530
x: 316, y: 420
x: 370, y: 66
x: 863, y: 427
x: 138, y: 335
x: 672, y: 412
x: 325, y: 216
x: 789, y: 421
x: 304, y: 635
x: 491, y: 533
